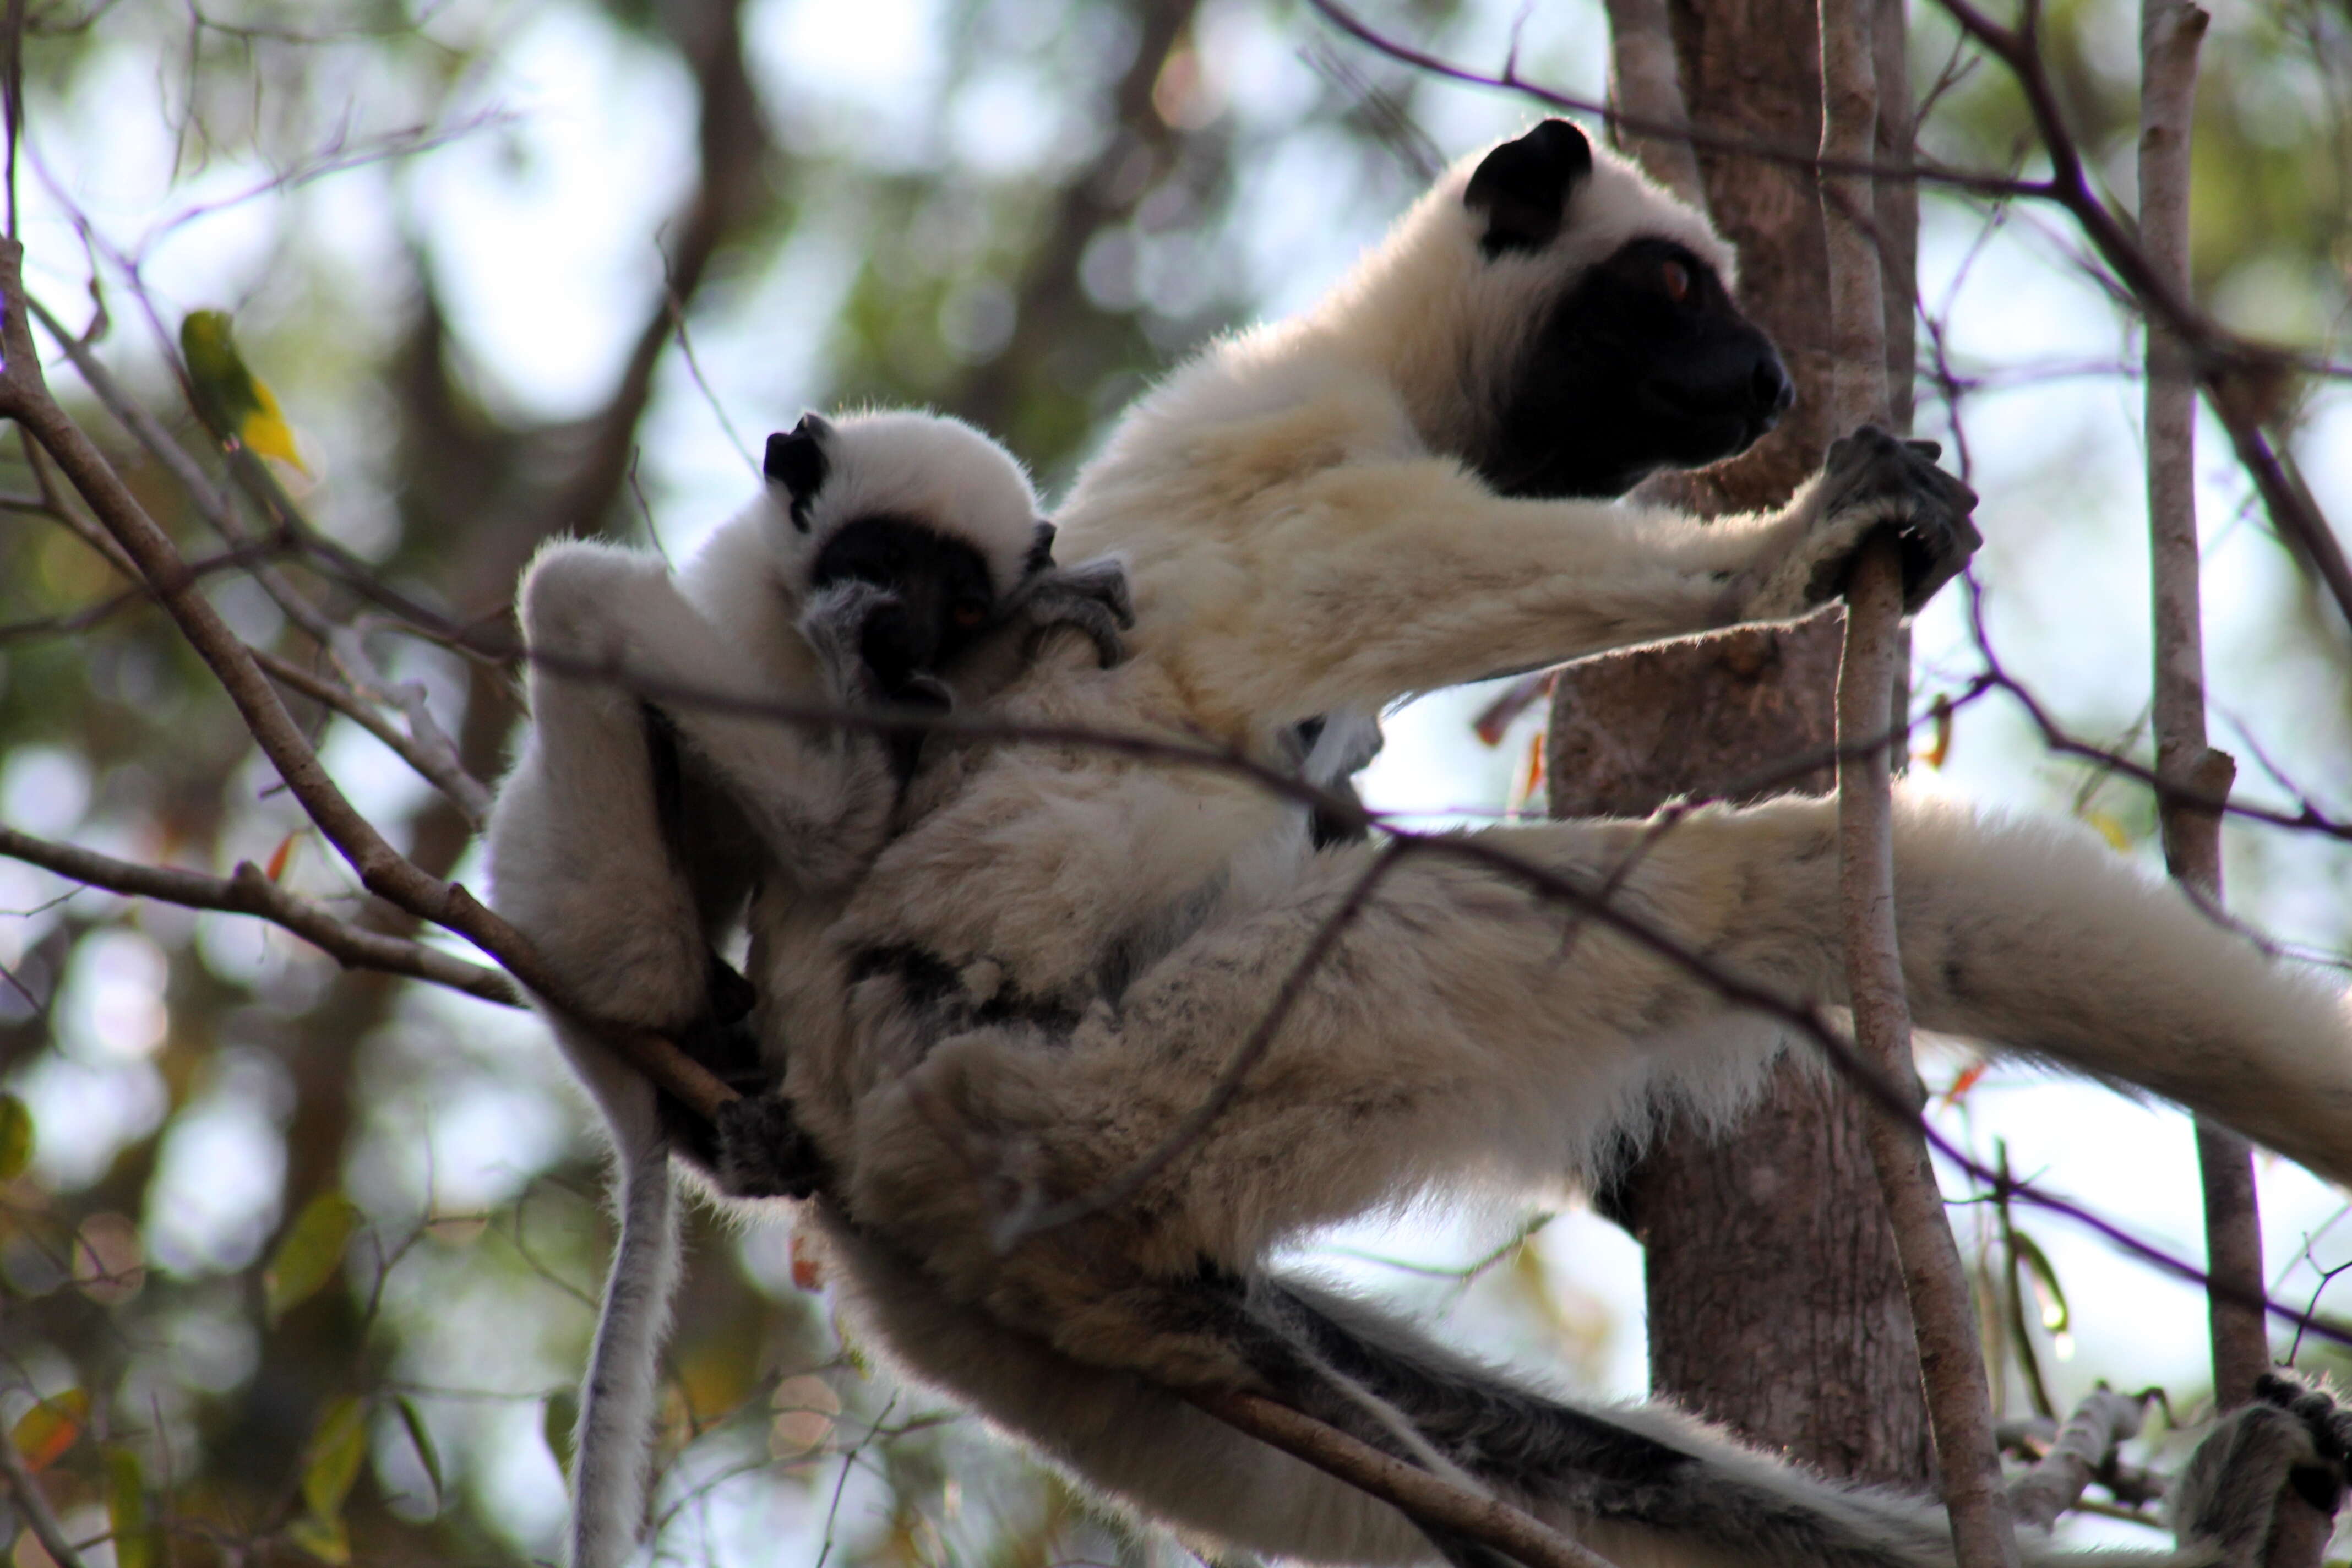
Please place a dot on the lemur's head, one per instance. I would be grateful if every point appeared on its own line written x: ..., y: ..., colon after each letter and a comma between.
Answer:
x: 1587, y: 314
x: 917, y: 503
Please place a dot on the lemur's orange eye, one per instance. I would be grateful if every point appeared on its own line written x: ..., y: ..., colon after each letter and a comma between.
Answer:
x: 968, y: 615
x: 1678, y: 280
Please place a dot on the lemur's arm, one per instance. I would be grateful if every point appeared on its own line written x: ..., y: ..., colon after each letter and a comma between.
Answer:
x: 816, y: 801
x: 1382, y: 579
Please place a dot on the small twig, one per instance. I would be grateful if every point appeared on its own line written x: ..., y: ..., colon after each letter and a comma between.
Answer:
x: 248, y: 890
x: 25, y: 398
x: 1419, y: 1495
x: 37, y: 1513
x: 438, y: 765
x: 2084, y: 1447
x: 2225, y: 365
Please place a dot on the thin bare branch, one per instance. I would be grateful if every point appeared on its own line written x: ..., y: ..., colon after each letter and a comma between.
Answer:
x: 248, y: 890
x: 38, y: 1511
x: 25, y: 398
x: 437, y: 765
x: 1419, y: 1495
x: 2085, y: 1446
x: 2170, y: 31
x: 2232, y: 370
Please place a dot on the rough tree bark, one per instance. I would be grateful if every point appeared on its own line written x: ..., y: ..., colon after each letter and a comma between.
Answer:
x: 1774, y: 1302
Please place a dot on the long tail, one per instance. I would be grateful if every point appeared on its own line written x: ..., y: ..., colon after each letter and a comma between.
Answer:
x: 1641, y: 1483
x: 613, y: 1444
x: 2036, y: 936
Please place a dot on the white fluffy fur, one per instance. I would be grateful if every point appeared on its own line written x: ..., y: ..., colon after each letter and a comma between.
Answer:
x: 1304, y: 539
x: 578, y: 862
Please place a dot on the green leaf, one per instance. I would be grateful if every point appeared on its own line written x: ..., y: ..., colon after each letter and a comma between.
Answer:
x: 556, y: 1419
x: 333, y: 1462
x: 327, y: 1543
x: 16, y: 1137
x: 126, y: 1510
x: 46, y: 1431
x: 422, y: 1439
x: 235, y: 401
x: 308, y: 1253
x: 2055, y: 1316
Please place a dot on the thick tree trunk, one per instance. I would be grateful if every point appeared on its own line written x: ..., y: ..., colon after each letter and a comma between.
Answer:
x: 1775, y: 1305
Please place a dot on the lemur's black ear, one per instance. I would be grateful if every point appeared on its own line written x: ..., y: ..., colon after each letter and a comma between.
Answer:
x: 795, y: 459
x: 1041, y: 548
x: 1522, y: 187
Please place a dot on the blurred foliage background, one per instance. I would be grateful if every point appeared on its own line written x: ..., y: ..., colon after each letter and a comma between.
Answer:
x: 301, y: 1263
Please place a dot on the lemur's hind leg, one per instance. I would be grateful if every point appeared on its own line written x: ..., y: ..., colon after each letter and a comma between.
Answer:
x: 1461, y: 1024
x: 2289, y: 1448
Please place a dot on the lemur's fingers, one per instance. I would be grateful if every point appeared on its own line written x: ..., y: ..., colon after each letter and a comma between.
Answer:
x: 1928, y: 509
x: 833, y: 623
x: 1088, y: 615
x: 2328, y: 1424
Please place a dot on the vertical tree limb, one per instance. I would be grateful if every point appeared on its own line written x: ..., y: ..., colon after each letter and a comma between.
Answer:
x: 2170, y: 31
x: 1774, y: 1300
x: 1952, y: 1361
x: 1645, y: 85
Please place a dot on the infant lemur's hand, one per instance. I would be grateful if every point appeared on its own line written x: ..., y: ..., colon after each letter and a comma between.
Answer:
x: 1092, y: 596
x: 1872, y: 480
x: 840, y: 622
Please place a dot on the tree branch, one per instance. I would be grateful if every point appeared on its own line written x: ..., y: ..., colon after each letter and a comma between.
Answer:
x: 248, y: 890
x: 2084, y: 1447
x: 1646, y: 88
x: 437, y: 765
x: 2170, y: 31
x: 38, y: 1511
x: 25, y: 398
x: 1951, y: 1358
x: 2224, y: 364
x: 1416, y: 1493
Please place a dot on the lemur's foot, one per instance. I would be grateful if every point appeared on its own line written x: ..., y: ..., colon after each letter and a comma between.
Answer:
x: 763, y: 1153
x: 2294, y: 1437
x: 1092, y: 597
x: 2320, y: 1480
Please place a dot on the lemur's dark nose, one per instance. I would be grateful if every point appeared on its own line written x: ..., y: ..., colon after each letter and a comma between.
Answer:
x: 1770, y: 386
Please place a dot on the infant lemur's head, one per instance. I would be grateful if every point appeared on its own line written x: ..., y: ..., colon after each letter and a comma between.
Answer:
x: 919, y: 504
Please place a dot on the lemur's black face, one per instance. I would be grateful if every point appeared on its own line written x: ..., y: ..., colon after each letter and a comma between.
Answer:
x: 944, y: 597
x: 1644, y: 363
